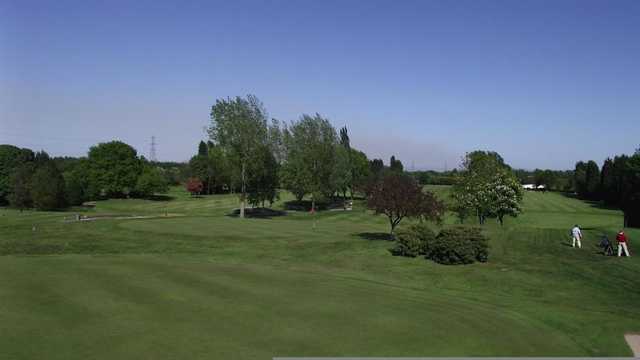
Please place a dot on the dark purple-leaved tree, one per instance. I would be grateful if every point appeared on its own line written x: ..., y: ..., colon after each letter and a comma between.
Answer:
x: 397, y: 196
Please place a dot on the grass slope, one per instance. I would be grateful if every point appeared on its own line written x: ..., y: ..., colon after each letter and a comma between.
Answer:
x: 201, y: 284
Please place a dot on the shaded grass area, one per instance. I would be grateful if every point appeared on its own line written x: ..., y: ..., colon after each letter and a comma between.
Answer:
x: 205, y: 285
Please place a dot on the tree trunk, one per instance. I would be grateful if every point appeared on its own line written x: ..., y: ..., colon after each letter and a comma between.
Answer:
x: 243, y: 195
x: 344, y: 199
x: 393, y: 228
x: 500, y: 218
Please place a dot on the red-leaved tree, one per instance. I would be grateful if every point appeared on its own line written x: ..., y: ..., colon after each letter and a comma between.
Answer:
x: 397, y: 196
x: 194, y: 185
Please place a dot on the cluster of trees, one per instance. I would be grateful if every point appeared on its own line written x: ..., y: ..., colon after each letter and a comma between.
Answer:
x: 616, y: 184
x: 112, y: 169
x: 254, y: 157
x: 29, y: 179
x: 486, y: 187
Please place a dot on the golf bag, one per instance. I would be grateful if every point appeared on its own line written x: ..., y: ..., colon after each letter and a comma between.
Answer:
x: 607, y: 248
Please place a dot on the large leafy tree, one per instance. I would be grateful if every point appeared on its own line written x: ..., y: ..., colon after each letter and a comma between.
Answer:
x: 630, y: 197
x: 482, y: 187
x: 311, y: 145
x: 621, y: 186
x: 48, y: 187
x: 592, y: 180
x: 11, y: 158
x: 113, y: 169
x: 239, y: 126
x: 504, y: 195
x: 587, y: 180
x: 397, y: 196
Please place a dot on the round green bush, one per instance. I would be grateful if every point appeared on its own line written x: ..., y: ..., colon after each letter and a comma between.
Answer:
x: 459, y: 245
x: 413, y: 241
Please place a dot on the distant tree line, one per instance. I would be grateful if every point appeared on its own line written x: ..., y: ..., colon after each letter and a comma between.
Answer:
x: 554, y: 180
x: 113, y: 169
x: 617, y: 184
x: 432, y: 177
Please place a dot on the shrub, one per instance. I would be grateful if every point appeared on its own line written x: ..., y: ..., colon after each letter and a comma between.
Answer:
x: 194, y: 186
x: 413, y: 241
x: 459, y: 245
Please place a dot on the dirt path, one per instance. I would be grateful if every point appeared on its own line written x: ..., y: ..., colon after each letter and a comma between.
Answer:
x: 634, y: 343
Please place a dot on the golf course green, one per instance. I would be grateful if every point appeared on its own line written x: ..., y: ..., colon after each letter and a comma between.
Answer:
x: 180, y: 277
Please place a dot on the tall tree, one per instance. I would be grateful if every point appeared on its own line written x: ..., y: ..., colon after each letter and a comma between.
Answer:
x: 20, y: 186
x: 48, y: 187
x: 608, y: 182
x: 344, y: 138
x: 395, y: 164
x: 346, y: 162
x: 361, y: 171
x: 311, y: 144
x: 592, y: 177
x: 341, y: 176
x: 580, y: 179
x: 239, y: 126
x: 11, y: 158
x: 203, y: 149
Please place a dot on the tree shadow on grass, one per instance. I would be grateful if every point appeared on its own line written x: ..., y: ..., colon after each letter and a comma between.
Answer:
x: 305, y: 205
x: 258, y: 213
x: 375, y: 236
x: 593, y: 203
x: 160, y: 198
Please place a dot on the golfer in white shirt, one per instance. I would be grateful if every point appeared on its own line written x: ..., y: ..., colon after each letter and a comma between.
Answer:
x: 577, y: 236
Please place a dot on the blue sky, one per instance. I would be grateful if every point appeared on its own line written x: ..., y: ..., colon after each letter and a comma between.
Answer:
x: 545, y: 83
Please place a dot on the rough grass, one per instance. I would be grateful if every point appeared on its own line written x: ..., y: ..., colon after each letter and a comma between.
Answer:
x: 207, y: 285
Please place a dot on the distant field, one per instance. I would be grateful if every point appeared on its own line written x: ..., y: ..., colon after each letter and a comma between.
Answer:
x: 192, y: 282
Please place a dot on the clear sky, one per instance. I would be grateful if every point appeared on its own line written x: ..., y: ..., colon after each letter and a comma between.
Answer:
x: 545, y: 83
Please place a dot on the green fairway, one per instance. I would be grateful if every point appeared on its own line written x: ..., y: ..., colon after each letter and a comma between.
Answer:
x: 188, y: 281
